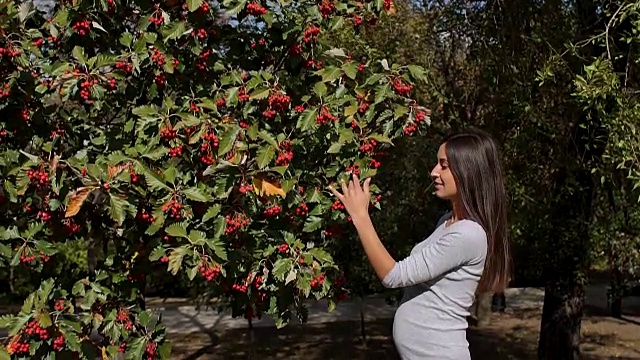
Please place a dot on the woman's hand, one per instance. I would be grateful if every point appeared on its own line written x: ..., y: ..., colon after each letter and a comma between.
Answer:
x: 355, y: 198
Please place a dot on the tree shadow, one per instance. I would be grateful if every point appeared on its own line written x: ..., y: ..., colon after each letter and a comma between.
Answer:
x: 337, y: 340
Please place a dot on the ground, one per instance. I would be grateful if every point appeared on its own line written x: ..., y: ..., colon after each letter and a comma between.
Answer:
x: 512, y: 335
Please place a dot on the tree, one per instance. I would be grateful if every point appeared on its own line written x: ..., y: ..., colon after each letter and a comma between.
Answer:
x: 197, y: 137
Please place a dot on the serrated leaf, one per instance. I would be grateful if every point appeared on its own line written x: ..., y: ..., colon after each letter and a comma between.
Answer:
x: 260, y: 94
x: 264, y: 135
x: 175, y: 259
x: 228, y: 140
x: 212, y: 212
x: 117, y: 208
x: 157, y: 253
x: 76, y: 199
x: 321, y: 255
x: 307, y: 119
x: 264, y: 156
x: 218, y: 248
x: 174, y: 30
x: 291, y: 276
x: 176, y: 230
x: 350, y: 69
x: 196, y: 194
x: 417, y: 72
x: 312, y: 223
x: 350, y: 110
x: 78, y: 54
x: 281, y: 267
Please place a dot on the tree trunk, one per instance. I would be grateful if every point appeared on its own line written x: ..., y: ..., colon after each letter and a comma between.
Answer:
x: 561, y: 321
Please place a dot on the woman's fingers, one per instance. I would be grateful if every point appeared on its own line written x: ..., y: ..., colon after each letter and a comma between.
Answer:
x: 366, y: 186
x: 345, y: 190
x: 336, y: 193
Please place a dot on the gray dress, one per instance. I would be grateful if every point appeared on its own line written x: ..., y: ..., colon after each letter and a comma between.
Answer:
x: 440, y: 278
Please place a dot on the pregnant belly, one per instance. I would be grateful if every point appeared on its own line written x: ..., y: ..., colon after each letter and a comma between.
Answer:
x: 418, y: 325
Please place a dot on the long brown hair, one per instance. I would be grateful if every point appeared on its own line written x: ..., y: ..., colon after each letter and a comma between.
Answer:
x: 475, y: 164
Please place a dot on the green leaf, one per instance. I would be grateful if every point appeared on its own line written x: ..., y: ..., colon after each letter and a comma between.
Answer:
x: 307, y: 119
x: 174, y: 30
x: 380, y: 138
x: 4, y: 355
x: 321, y: 255
x: 331, y: 73
x: 282, y: 267
x: 145, y: 318
x: 212, y: 212
x: 175, y: 259
x: 176, y: 230
x: 291, y: 276
x: 335, y: 52
x: 351, y: 69
x: 312, y: 223
x: 334, y: 148
x: 228, y: 140
x: 218, y: 248
x: 265, y: 155
x: 417, y: 72
x: 196, y: 194
x: 117, y: 208
x: 78, y: 54
x: 264, y: 135
x: 259, y: 94
x: 157, y: 253
x: 194, y: 4
x: 145, y: 111
x: 320, y: 89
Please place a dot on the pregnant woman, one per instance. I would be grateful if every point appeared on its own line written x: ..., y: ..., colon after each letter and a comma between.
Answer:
x: 466, y: 255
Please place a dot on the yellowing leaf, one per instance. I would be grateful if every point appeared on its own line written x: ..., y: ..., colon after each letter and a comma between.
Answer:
x: 114, y: 170
x: 54, y: 163
x: 76, y: 200
x: 267, y: 187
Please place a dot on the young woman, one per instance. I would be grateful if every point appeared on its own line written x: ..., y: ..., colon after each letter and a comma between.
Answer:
x: 467, y: 254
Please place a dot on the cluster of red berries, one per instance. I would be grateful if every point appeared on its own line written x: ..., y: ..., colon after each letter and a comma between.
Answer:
x: 168, y: 133
x: 157, y: 57
x: 58, y: 343
x: 302, y: 209
x: 201, y: 63
x: 311, y: 34
x: 209, y: 272
x: 134, y: 177
x: 44, y: 215
x: 71, y: 226
x: 17, y: 347
x: 160, y: 79
x: 269, y: 113
x: 386, y: 4
x: 256, y: 9
x: 295, y: 49
x: 367, y: 147
x: 9, y: 52
x: 318, y: 281
x: 60, y: 305
x: 221, y: 102
x: 194, y: 107
x: 240, y: 287
x: 5, y: 91
x: 325, y: 116
x: 279, y: 102
x: 311, y: 64
x: 260, y: 42
x: 200, y: 33
x: 124, y: 66
x: 175, y: 151
x: 123, y: 318
x: 363, y: 107
x: 82, y: 27
x: 283, y: 249
x: 410, y: 128
x: 150, y: 351
x: 34, y: 329
x: 174, y: 208
x: 236, y: 222
x: 326, y: 8
x: 357, y: 20
x: 337, y: 205
x: 156, y: 18
x: 38, y: 177
x: 85, y: 88
x: 111, y: 84
x: 56, y: 132
x: 27, y: 259
x: 245, y: 188
x: 123, y: 347
x: 374, y: 164
x: 26, y: 114
x: 3, y: 134
x: 144, y: 216
x: 355, y: 169
x: 243, y: 96
x: 401, y: 88
x: 272, y: 211
x: 210, y: 140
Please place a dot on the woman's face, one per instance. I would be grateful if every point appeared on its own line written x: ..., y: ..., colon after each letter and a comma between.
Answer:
x: 443, y: 178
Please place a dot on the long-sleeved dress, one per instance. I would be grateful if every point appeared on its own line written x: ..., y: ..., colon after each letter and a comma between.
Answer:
x: 440, y: 278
